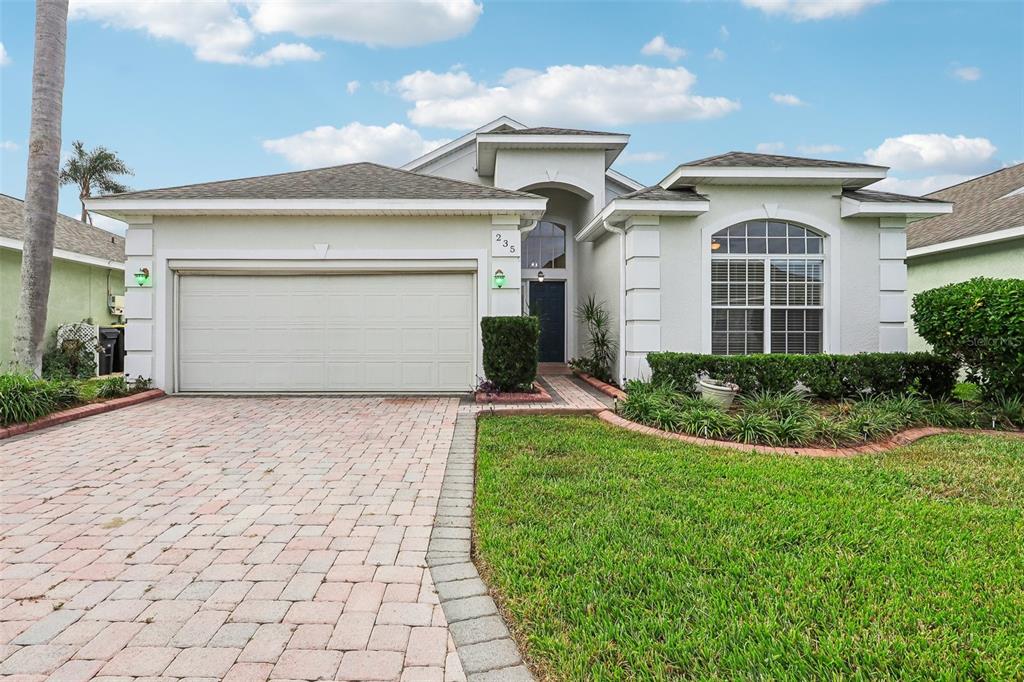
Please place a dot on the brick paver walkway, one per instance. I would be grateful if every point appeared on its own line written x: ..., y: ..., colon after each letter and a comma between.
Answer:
x: 227, y: 538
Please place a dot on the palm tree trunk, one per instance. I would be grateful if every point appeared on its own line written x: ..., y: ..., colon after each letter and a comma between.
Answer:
x: 41, y: 188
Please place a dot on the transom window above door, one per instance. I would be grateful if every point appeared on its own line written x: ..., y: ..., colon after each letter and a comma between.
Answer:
x: 544, y: 247
x: 767, y: 289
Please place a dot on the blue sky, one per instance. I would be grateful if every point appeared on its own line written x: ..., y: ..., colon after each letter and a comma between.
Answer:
x: 194, y: 91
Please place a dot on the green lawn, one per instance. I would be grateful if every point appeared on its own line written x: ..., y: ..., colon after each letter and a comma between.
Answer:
x: 622, y: 556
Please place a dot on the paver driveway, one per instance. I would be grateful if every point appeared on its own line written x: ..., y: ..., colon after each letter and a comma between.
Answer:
x: 234, y: 538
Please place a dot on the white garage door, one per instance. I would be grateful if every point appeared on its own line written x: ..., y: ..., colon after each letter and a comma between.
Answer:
x: 351, y: 332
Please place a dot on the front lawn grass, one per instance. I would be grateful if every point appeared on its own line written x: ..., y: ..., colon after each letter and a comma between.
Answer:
x: 621, y: 556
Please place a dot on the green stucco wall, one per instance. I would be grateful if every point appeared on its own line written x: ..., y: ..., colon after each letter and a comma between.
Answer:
x: 1001, y: 260
x: 77, y: 292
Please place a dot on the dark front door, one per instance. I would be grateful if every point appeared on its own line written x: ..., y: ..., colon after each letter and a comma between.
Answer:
x: 547, y: 301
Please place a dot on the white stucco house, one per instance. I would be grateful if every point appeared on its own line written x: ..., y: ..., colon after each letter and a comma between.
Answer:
x: 364, y: 278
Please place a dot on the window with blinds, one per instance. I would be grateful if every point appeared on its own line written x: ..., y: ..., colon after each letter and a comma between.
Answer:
x: 767, y: 289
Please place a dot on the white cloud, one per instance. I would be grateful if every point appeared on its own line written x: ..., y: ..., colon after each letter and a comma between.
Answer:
x: 967, y: 73
x: 226, y: 31
x: 641, y: 157
x: 935, y: 153
x: 920, y: 186
x: 561, y: 95
x: 326, y: 145
x: 8, y: 146
x: 286, y: 52
x: 811, y: 10
x: 351, y: 87
x: 819, y: 148
x: 786, y: 100
x: 5, y: 58
x: 427, y: 85
x: 770, y: 147
x: 658, y: 46
x: 717, y: 54
x: 723, y: 32
x: 370, y: 22
x: 213, y: 29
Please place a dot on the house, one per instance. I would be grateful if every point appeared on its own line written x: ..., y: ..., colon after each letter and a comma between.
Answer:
x: 88, y: 268
x: 984, y: 237
x: 366, y: 278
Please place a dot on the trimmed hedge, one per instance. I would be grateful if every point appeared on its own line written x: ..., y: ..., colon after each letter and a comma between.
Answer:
x: 827, y: 376
x: 980, y: 323
x: 510, y: 351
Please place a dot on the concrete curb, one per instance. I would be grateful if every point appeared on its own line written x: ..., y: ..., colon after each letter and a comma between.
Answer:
x: 79, y: 412
x: 902, y: 438
x: 483, y: 641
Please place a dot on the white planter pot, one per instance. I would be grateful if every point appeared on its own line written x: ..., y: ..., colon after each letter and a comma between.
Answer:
x: 717, y: 392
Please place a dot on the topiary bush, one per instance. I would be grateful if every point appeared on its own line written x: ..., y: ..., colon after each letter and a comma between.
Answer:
x: 980, y: 324
x: 510, y: 351
x: 827, y: 376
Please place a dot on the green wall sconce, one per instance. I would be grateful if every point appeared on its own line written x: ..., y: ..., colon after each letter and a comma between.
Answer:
x: 499, y: 278
x: 142, y: 277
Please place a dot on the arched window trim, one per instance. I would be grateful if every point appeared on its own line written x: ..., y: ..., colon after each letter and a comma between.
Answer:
x: 773, y: 302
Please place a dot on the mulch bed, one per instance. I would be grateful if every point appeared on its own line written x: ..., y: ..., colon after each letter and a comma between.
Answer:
x: 538, y: 396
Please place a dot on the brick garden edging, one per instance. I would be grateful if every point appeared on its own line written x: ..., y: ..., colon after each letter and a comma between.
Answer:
x: 902, y: 438
x: 607, y: 389
x: 79, y: 412
x: 484, y: 644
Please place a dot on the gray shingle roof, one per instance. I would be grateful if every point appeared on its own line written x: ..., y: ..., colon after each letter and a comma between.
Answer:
x: 69, y: 234
x: 980, y: 206
x: 743, y: 159
x: 351, y: 181
x: 547, y: 130
x: 657, y: 193
x: 887, y: 197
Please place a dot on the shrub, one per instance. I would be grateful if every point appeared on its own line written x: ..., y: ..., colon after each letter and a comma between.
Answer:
x: 70, y: 359
x: 706, y: 422
x: 24, y: 398
x: 827, y: 376
x: 754, y: 429
x: 510, y: 351
x: 776, y: 405
x: 112, y: 387
x: 980, y: 324
x: 601, y: 346
x: 832, y: 432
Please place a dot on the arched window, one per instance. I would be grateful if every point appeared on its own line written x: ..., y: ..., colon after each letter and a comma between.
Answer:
x: 767, y: 289
x: 544, y: 248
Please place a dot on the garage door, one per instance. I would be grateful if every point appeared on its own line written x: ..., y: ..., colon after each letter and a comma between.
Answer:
x: 351, y: 332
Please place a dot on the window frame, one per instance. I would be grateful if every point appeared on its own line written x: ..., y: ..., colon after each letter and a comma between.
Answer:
x: 766, y: 259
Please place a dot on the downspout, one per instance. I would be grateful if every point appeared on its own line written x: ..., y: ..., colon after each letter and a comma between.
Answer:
x: 622, y: 296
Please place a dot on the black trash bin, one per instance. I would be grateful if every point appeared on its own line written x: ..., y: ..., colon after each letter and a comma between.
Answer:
x: 109, y: 341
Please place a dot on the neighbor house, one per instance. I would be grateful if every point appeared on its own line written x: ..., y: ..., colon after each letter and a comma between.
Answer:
x: 368, y: 278
x: 983, y: 237
x: 88, y: 269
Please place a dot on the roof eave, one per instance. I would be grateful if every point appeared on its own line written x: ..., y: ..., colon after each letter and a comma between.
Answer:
x: 855, y: 208
x: 618, y: 210
x: 123, y: 209
x: 487, y: 146
x: 854, y: 178
x: 967, y: 242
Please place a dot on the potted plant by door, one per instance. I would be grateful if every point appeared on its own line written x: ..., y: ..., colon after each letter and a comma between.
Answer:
x: 718, y: 392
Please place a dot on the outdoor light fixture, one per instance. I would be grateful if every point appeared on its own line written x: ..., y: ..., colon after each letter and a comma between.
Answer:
x: 540, y: 275
x: 499, y: 278
x: 715, y: 245
x: 142, y: 277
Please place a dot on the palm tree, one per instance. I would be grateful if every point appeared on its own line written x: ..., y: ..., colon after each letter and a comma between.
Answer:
x: 93, y: 168
x: 41, y: 185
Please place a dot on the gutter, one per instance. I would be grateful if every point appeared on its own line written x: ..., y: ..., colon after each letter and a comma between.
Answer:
x: 967, y: 242
x: 622, y: 294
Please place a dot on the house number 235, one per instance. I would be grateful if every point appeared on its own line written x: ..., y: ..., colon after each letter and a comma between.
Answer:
x: 506, y: 243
